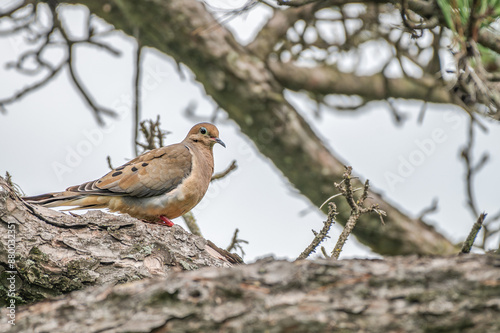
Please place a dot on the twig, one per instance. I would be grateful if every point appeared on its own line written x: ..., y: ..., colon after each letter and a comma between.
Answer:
x: 228, y: 15
x: 46, y: 39
x: 323, y: 250
x: 473, y: 233
x: 399, y: 118
x: 319, y: 237
x: 236, y: 243
x: 336, y: 195
x: 470, y: 169
x: 98, y: 110
x: 412, y: 26
x: 153, y: 134
x: 233, y: 166
x: 108, y: 159
x: 357, y: 209
x: 431, y: 209
x: 137, y: 92
x: 35, y: 86
x: 191, y: 224
x: 16, y: 188
x: 231, y: 245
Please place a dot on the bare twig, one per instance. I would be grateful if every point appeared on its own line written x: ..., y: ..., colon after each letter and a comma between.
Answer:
x: 431, y: 209
x: 471, y: 170
x: 466, y: 247
x: 33, y: 87
x: 137, y: 92
x: 337, y: 195
x: 108, y: 159
x: 319, y: 237
x: 227, y: 15
x: 236, y: 243
x: 191, y: 224
x: 234, y: 240
x: 48, y: 38
x: 412, y: 26
x: 98, y: 110
x: 233, y: 166
x: 357, y: 209
x: 153, y: 134
x: 323, y: 250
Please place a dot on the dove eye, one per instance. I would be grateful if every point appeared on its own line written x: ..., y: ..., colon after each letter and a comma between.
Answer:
x: 203, y: 130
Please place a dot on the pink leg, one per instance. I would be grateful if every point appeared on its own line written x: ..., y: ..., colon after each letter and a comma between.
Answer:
x: 167, y: 221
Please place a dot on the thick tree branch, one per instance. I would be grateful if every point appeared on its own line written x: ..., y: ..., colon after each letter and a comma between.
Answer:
x: 328, y: 80
x: 401, y: 294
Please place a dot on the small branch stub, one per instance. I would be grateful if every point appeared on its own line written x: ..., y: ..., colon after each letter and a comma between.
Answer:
x: 469, y: 242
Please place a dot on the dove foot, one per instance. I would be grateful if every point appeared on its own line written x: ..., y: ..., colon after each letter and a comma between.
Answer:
x: 166, y: 221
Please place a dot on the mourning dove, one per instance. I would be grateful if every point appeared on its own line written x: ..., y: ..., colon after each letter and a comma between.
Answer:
x: 157, y: 186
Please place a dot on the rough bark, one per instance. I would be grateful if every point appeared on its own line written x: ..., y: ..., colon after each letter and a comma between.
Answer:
x: 246, y: 88
x: 399, y: 294
x: 56, y: 253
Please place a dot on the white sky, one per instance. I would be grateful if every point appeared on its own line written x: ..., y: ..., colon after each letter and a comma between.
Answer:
x: 53, y: 127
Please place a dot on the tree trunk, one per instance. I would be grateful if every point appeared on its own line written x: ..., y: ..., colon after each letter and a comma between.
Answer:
x: 399, y: 294
x: 244, y: 85
x: 56, y: 253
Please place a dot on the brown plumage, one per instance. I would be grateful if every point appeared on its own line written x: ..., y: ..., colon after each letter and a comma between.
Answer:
x: 159, y: 185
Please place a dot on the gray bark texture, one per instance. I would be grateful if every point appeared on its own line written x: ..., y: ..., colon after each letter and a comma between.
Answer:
x: 56, y: 253
x: 398, y: 294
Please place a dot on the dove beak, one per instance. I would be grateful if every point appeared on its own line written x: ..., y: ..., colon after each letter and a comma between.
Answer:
x: 220, y: 141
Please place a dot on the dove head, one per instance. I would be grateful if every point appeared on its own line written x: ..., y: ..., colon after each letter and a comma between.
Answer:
x: 205, y: 134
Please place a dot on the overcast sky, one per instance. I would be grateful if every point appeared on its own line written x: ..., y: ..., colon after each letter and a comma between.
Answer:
x: 50, y: 140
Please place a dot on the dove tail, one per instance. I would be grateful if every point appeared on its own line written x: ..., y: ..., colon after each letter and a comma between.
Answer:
x: 58, y: 199
x: 51, y: 199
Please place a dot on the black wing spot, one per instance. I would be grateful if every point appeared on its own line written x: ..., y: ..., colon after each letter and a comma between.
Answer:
x: 121, y: 168
x: 145, y: 164
x: 116, y: 174
x: 134, y: 169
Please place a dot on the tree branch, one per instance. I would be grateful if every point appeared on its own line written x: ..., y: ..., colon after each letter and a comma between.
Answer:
x: 328, y: 80
x: 402, y: 294
x: 323, y: 234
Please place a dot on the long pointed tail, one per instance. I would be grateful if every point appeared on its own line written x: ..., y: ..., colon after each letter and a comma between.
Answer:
x: 66, y: 198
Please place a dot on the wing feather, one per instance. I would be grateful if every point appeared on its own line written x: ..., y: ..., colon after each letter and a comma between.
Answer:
x: 153, y: 173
